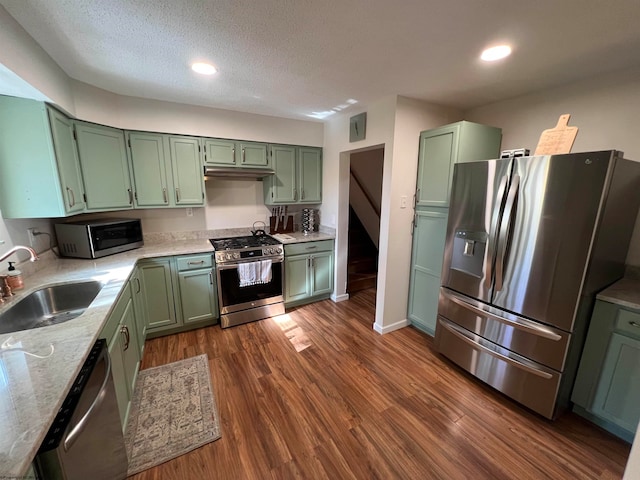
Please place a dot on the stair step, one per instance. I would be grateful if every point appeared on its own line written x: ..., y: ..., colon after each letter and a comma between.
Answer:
x: 357, y: 282
x: 362, y: 265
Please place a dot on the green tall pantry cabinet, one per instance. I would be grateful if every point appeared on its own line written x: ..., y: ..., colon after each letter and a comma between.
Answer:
x: 440, y: 149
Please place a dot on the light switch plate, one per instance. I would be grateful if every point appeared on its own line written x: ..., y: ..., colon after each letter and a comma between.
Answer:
x: 357, y: 127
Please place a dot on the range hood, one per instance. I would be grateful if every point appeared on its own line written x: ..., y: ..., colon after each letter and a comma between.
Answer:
x: 237, y: 172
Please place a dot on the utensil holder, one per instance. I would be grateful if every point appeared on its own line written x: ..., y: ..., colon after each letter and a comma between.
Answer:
x: 283, y: 226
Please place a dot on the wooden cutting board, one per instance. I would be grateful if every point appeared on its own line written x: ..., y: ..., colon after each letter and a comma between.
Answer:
x: 558, y: 139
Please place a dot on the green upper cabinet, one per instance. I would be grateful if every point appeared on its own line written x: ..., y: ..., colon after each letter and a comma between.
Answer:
x: 252, y: 154
x: 441, y: 148
x: 105, y: 170
x: 229, y: 153
x: 281, y: 187
x: 218, y: 152
x: 186, y: 166
x: 310, y: 175
x: 67, y: 160
x: 39, y: 167
x: 297, y: 177
x: 149, y: 169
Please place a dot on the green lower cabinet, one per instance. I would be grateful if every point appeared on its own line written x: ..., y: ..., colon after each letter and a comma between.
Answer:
x: 157, y: 279
x: 124, y: 352
x: 308, y: 276
x: 607, y: 386
x: 179, y: 293
x: 198, y: 298
x: 426, y: 265
x: 138, y: 304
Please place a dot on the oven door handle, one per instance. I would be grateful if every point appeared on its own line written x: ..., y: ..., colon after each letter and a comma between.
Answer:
x: 228, y: 266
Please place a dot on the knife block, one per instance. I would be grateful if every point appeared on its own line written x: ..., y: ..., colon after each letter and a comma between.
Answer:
x: 286, y: 228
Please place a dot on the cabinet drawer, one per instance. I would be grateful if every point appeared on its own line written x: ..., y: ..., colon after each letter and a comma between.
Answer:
x: 308, y: 247
x: 192, y: 262
x: 628, y: 322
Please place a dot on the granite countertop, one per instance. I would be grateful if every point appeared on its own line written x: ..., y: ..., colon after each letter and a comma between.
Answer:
x: 299, y: 237
x: 37, y: 367
x: 625, y: 292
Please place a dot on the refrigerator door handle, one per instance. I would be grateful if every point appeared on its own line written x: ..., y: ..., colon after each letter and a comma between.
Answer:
x: 476, y: 346
x: 538, y: 331
x: 492, y: 234
x: 503, y: 233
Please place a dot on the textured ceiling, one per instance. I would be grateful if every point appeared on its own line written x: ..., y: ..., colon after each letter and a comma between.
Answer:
x: 291, y: 58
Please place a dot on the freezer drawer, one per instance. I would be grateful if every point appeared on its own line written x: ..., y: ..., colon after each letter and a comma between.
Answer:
x: 527, y: 382
x: 537, y: 342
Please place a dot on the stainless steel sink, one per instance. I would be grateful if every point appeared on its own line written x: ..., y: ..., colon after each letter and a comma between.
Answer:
x: 49, y: 306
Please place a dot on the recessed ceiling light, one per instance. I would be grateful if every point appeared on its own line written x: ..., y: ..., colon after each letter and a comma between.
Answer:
x: 496, y: 53
x: 203, y: 68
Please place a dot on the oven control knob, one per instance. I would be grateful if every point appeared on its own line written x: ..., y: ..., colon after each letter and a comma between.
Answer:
x: 278, y: 250
x: 228, y: 256
x: 236, y: 256
x: 270, y: 251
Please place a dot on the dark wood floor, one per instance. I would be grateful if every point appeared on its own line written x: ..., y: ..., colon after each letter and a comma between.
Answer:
x: 317, y: 394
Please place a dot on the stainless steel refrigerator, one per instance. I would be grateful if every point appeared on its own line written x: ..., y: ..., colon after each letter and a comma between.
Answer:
x: 530, y: 241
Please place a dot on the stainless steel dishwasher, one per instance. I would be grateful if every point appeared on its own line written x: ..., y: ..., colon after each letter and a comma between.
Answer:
x: 85, y: 439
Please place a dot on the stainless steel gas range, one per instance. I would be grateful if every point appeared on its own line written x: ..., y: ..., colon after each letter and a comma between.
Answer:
x: 250, y: 278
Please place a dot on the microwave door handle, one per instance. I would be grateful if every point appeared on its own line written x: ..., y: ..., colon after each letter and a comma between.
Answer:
x: 493, y: 232
x: 504, y: 233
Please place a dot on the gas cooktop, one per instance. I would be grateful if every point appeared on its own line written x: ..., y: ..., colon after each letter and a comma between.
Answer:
x: 243, y: 248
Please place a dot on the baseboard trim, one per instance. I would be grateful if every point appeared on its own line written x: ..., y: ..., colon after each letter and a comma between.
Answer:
x: 390, y: 328
x: 340, y: 298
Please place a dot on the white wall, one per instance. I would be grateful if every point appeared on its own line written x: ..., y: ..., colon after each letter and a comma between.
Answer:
x: 605, y: 109
x: 20, y: 54
x: 395, y: 123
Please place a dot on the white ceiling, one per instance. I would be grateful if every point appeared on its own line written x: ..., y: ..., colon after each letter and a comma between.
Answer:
x: 291, y: 58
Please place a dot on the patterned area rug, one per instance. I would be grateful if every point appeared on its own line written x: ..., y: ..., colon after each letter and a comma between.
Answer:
x: 173, y: 411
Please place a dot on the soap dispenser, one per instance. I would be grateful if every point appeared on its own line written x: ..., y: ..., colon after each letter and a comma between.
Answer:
x: 14, y: 277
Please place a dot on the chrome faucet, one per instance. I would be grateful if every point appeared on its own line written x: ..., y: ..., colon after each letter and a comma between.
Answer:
x: 5, y: 290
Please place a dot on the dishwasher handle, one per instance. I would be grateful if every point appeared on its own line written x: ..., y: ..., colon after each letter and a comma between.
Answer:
x: 73, y: 435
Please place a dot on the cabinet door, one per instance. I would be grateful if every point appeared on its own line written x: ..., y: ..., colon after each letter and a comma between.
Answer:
x: 321, y: 273
x: 129, y: 340
x: 118, y: 372
x: 67, y: 161
x: 105, y: 171
x: 296, y: 274
x: 220, y: 152
x: 283, y: 182
x: 186, y: 165
x: 197, y: 295
x: 310, y: 184
x: 618, y: 390
x: 435, y: 165
x: 158, y: 294
x: 138, y: 305
x: 252, y: 154
x: 149, y: 169
x: 426, y: 266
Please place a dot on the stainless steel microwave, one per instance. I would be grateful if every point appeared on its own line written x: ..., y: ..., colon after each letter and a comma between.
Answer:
x: 98, y: 238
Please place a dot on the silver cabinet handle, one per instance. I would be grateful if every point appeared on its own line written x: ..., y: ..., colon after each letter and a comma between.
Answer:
x: 311, y: 247
x: 130, y: 196
x: 72, y: 436
x: 71, y: 197
x: 538, y: 331
x: 482, y: 348
x: 211, y: 277
x: 302, y: 194
x: 243, y: 156
x: 177, y: 194
x: 200, y: 262
x: 417, y: 197
x: 164, y: 195
x: 124, y: 329
x: 634, y: 324
x: 138, y: 285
